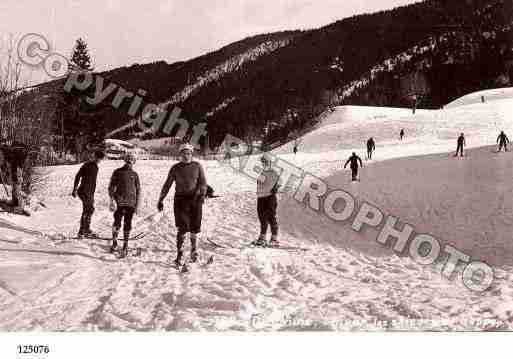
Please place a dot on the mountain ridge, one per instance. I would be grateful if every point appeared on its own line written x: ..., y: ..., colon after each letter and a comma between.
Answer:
x: 270, y: 86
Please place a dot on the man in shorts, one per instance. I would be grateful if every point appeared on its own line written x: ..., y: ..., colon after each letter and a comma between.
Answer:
x: 190, y: 190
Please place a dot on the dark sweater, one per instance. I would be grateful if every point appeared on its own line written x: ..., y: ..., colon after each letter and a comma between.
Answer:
x: 125, y: 187
x: 189, y: 179
x: 86, y: 176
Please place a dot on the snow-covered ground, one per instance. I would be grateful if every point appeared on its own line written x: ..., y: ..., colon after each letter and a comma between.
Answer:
x: 487, y: 95
x: 344, y: 280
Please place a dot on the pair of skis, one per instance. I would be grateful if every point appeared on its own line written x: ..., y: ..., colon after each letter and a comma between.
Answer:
x: 188, y: 264
x: 255, y: 245
x: 275, y: 246
x: 134, y: 252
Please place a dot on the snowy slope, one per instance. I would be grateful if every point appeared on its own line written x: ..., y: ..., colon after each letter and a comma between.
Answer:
x: 344, y: 281
x: 427, y: 131
x: 476, y: 97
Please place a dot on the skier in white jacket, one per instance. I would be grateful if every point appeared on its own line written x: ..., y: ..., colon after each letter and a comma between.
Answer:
x: 267, y: 202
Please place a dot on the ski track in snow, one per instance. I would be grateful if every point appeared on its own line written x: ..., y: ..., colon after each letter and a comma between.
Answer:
x: 344, y: 281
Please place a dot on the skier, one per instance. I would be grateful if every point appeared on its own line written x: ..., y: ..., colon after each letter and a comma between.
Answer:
x: 354, y: 160
x: 267, y: 186
x: 125, y: 200
x: 86, y: 177
x: 401, y: 134
x: 190, y: 190
x: 295, y: 149
x: 371, y: 147
x: 461, y: 144
x: 503, y: 141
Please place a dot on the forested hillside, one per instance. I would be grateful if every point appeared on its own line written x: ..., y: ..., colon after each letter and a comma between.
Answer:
x: 268, y: 87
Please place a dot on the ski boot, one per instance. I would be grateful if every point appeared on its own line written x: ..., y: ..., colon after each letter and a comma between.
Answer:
x: 114, y: 246
x: 124, y: 251
x: 178, y: 261
x: 194, y: 257
x: 184, y: 269
x: 91, y: 235
x: 260, y: 242
x: 274, y: 242
x: 114, y: 240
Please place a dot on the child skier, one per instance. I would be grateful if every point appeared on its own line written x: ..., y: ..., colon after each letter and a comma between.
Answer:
x: 125, y: 195
x: 191, y: 187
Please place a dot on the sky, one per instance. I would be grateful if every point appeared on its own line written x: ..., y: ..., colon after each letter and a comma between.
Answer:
x: 121, y: 33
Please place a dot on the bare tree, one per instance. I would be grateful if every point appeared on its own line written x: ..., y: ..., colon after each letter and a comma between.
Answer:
x: 10, y: 84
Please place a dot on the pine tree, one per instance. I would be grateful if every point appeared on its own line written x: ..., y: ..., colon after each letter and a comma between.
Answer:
x: 81, y: 58
x: 80, y: 125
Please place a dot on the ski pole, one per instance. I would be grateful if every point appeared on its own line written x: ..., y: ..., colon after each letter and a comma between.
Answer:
x: 146, y: 218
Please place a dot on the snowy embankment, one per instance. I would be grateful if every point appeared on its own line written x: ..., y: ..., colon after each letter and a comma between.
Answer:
x: 344, y: 281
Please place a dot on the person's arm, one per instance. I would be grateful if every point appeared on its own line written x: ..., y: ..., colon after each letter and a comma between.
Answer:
x: 137, y: 194
x: 507, y: 139
x: 277, y: 183
x: 360, y: 160
x: 347, y: 163
x: 112, y: 190
x: 201, y: 190
x: 112, y: 185
x: 167, y: 185
x: 78, y: 178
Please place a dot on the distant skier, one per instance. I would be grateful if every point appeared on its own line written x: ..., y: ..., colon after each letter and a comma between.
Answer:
x: 125, y: 196
x: 84, y: 187
x: 354, y: 160
x: 267, y: 186
x: 295, y: 149
x: 461, y: 144
x: 503, y: 141
x: 371, y: 147
x: 401, y: 134
x: 190, y: 190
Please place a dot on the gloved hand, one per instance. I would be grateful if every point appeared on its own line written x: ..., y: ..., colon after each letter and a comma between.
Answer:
x: 74, y: 193
x: 112, y: 205
x: 160, y: 206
